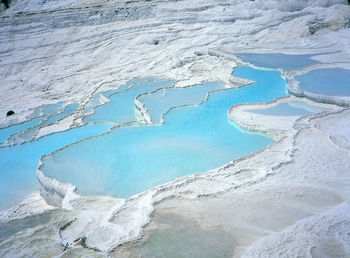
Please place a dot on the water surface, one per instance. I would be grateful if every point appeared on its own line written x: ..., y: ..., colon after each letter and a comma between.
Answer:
x: 291, y: 108
x: 328, y: 81
x: 193, y: 139
x: 121, y: 109
x: 18, y: 163
x: 278, y: 60
x: 136, y: 157
x: 163, y: 100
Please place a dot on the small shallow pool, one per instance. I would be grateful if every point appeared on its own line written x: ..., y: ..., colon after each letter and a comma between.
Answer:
x: 291, y: 108
x: 278, y: 60
x: 196, y: 136
x: 121, y: 108
x: 327, y: 81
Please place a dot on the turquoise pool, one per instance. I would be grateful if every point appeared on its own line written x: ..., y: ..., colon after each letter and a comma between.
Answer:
x: 135, y: 157
x: 193, y: 139
x: 19, y: 163
x: 121, y: 109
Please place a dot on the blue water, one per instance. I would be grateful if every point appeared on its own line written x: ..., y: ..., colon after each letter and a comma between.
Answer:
x: 121, y: 109
x: 163, y: 100
x: 51, y: 109
x: 23, y: 136
x: 45, y: 115
x: 96, y: 98
x: 94, y: 101
x: 292, y: 108
x: 128, y: 85
x: 8, y: 131
x: 68, y: 110
x: 132, y: 159
x: 18, y: 164
x: 278, y: 60
x: 331, y: 81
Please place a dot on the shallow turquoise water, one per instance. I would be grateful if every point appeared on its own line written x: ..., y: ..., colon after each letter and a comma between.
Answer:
x: 8, y: 131
x: 121, y: 109
x: 51, y: 109
x: 18, y: 164
x: 292, y: 108
x: 331, y: 81
x: 132, y: 159
x: 42, y: 116
x: 163, y: 100
x: 68, y: 110
x: 34, y: 120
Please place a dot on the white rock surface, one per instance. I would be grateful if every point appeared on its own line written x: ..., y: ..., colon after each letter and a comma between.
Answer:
x: 53, y: 51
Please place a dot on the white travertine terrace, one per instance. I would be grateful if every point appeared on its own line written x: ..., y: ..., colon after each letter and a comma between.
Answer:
x: 291, y: 198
